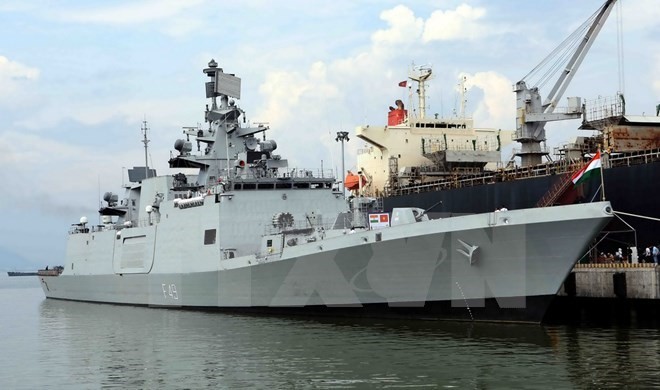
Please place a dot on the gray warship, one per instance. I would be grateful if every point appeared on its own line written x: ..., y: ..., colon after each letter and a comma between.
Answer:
x: 248, y: 233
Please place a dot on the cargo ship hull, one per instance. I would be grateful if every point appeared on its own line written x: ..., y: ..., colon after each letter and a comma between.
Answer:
x: 631, y: 189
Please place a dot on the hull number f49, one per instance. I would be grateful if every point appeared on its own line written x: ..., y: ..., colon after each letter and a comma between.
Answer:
x: 169, y: 291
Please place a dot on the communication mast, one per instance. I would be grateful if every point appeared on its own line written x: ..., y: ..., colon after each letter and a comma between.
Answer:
x: 145, y: 141
x: 421, y: 74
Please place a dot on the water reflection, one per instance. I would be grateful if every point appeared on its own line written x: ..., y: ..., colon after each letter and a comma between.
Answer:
x: 94, y: 345
x: 612, y: 357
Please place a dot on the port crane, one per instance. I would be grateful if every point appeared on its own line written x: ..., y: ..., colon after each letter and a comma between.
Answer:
x: 532, y: 113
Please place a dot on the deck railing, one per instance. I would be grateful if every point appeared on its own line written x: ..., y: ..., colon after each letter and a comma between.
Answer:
x: 517, y: 173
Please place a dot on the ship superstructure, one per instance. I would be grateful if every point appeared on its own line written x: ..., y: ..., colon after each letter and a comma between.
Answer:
x: 414, y: 148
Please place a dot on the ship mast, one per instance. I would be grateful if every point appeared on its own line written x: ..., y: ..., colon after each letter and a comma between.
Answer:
x: 421, y: 74
x: 463, y: 99
x: 145, y: 141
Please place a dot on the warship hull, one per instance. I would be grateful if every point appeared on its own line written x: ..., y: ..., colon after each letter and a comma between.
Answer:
x: 497, y: 266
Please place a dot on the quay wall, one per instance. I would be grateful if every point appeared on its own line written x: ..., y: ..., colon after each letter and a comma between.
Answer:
x: 615, y: 280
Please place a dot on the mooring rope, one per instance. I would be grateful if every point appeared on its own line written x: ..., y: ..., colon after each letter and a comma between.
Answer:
x: 637, y: 216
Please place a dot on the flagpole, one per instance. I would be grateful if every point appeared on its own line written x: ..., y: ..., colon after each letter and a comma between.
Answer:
x: 602, y: 179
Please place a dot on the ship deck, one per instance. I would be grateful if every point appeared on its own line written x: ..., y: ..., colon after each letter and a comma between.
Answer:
x: 519, y: 173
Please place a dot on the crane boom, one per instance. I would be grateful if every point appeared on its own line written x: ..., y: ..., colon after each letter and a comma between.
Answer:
x: 533, y: 114
x: 574, y: 63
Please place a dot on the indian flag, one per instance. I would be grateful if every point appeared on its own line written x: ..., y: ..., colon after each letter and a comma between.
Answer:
x: 592, y: 169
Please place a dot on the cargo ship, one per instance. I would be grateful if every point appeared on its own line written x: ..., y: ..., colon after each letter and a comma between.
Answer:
x: 449, y: 167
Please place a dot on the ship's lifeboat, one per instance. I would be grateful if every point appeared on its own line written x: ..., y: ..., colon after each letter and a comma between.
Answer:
x: 353, y: 181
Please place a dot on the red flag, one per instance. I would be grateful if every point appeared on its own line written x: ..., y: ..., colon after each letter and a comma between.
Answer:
x: 403, y: 83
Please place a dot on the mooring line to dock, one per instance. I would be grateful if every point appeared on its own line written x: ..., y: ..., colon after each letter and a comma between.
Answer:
x: 637, y: 216
x: 466, y: 302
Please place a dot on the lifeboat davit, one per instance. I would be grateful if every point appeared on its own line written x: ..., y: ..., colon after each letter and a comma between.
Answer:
x: 352, y: 181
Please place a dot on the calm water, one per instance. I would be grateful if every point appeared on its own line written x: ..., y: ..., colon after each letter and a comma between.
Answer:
x: 61, y: 345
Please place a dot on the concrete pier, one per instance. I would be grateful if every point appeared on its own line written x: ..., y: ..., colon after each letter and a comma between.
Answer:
x: 619, y: 294
x: 613, y: 280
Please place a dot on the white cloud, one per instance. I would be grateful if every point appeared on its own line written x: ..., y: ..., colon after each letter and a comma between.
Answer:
x: 69, y: 182
x: 95, y: 112
x: 497, y: 107
x: 465, y: 22
x: 403, y: 27
x: 639, y: 14
x: 28, y: 151
x: 17, y: 6
x: 12, y: 77
x: 655, y: 76
x: 12, y: 70
x: 295, y: 105
x: 182, y: 26
x: 131, y: 12
x: 283, y: 91
x: 32, y: 180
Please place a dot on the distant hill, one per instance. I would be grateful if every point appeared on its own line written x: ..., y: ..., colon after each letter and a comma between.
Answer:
x: 11, y: 261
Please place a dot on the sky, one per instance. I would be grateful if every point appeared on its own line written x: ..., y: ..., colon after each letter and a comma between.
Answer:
x: 77, y: 78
